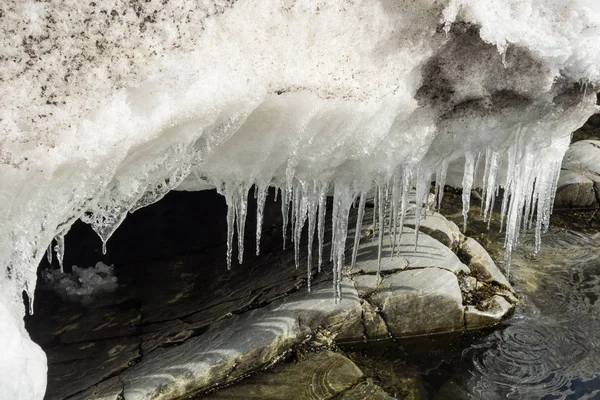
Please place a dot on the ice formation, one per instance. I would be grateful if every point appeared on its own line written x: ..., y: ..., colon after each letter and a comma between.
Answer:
x: 83, y: 284
x: 108, y: 105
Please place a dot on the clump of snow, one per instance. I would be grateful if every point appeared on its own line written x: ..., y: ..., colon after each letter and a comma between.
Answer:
x: 83, y: 284
x: 105, y: 106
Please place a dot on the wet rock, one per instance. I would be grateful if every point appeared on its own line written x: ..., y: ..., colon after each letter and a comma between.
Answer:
x: 366, y: 284
x: 420, y: 301
x: 488, y: 313
x: 373, y: 323
x: 579, y: 183
x: 237, y: 345
x: 439, y: 228
x: 429, y: 253
x: 574, y: 190
x: 366, y: 390
x: 80, y: 366
x: 111, y: 389
x: 481, y: 263
x: 322, y: 375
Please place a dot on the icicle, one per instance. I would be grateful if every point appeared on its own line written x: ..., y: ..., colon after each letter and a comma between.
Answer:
x: 30, y: 298
x: 342, y: 202
x: 422, y: 190
x: 104, y: 246
x: 467, y: 184
x: 59, y: 249
x: 396, y: 193
x: 301, y: 215
x: 285, y: 204
x: 312, y: 215
x: 406, y: 185
x: 321, y: 222
x: 241, y: 212
x: 375, y: 212
x: 49, y: 253
x: 357, y: 233
x: 440, y: 183
x: 230, y: 227
x: 260, y: 192
x: 334, y: 217
x: 381, y: 195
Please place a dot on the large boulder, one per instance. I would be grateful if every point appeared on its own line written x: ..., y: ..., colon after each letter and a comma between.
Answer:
x: 421, y: 301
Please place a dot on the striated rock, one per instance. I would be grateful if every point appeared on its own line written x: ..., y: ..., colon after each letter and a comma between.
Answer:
x: 235, y: 346
x: 480, y: 261
x: 366, y: 390
x: 491, y: 312
x: 420, y: 301
x: 439, y: 228
x: 429, y: 253
x: 579, y: 182
x: 574, y: 190
x: 322, y: 375
x: 373, y: 323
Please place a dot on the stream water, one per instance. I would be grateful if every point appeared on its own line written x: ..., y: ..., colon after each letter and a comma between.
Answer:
x: 549, y: 349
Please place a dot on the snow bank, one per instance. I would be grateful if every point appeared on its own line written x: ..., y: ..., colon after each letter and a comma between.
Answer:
x: 107, y: 105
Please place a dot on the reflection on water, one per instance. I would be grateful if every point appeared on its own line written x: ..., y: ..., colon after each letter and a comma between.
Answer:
x: 550, y: 348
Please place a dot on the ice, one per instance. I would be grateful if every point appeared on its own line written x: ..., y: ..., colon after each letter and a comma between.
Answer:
x: 83, y: 284
x: 337, y: 96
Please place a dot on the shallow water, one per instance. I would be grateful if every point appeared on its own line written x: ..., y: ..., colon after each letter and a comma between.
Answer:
x: 549, y: 349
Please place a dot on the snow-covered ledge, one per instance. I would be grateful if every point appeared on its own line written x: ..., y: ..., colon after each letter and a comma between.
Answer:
x: 105, y: 106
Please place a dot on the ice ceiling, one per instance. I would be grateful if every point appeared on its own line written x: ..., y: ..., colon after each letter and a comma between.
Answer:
x: 105, y: 106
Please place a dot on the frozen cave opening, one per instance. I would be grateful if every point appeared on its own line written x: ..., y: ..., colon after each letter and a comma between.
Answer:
x: 170, y: 262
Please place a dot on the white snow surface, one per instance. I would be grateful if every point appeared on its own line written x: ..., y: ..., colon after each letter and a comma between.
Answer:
x: 105, y: 106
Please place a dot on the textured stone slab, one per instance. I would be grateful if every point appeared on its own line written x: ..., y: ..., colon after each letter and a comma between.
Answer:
x: 366, y: 390
x: 421, y: 301
x: 439, y: 228
x: 242, y: 343
x: 428, y: 253
x: 574, y: 190
x: 479, y: 260
x: 493, y: 311
x: 322, y: 375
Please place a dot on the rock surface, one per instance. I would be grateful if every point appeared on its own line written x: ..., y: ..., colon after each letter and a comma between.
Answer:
x: 481, y: 263
x: 420, y: 301
x: 579, y: 182
x: 322, y: 375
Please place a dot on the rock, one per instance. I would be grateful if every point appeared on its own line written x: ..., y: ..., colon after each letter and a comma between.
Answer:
x: 429, y: 253
x: 579, y: 183
x: 237, y: 345
x: 366, y: 284
x: 322, y: 375
x: 373, y: 323
x: 493, y: 311
x: 574, y: 190
x: 420, y: 301
x: 439, y: 228
x: 83, y: 365
x: 583, y: 156
x: 481, y: 263
x: 110, y: 389
x: 366, y: 390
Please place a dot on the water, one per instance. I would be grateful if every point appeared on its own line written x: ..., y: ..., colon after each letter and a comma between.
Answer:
x: 549, y: 349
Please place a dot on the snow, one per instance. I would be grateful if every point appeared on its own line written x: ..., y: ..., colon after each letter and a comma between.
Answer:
x: 105, y: 106
x: 83, y: 284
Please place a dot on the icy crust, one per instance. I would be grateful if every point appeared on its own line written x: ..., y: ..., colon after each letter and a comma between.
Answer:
x: 106, y: 106
x: 83, y: 284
